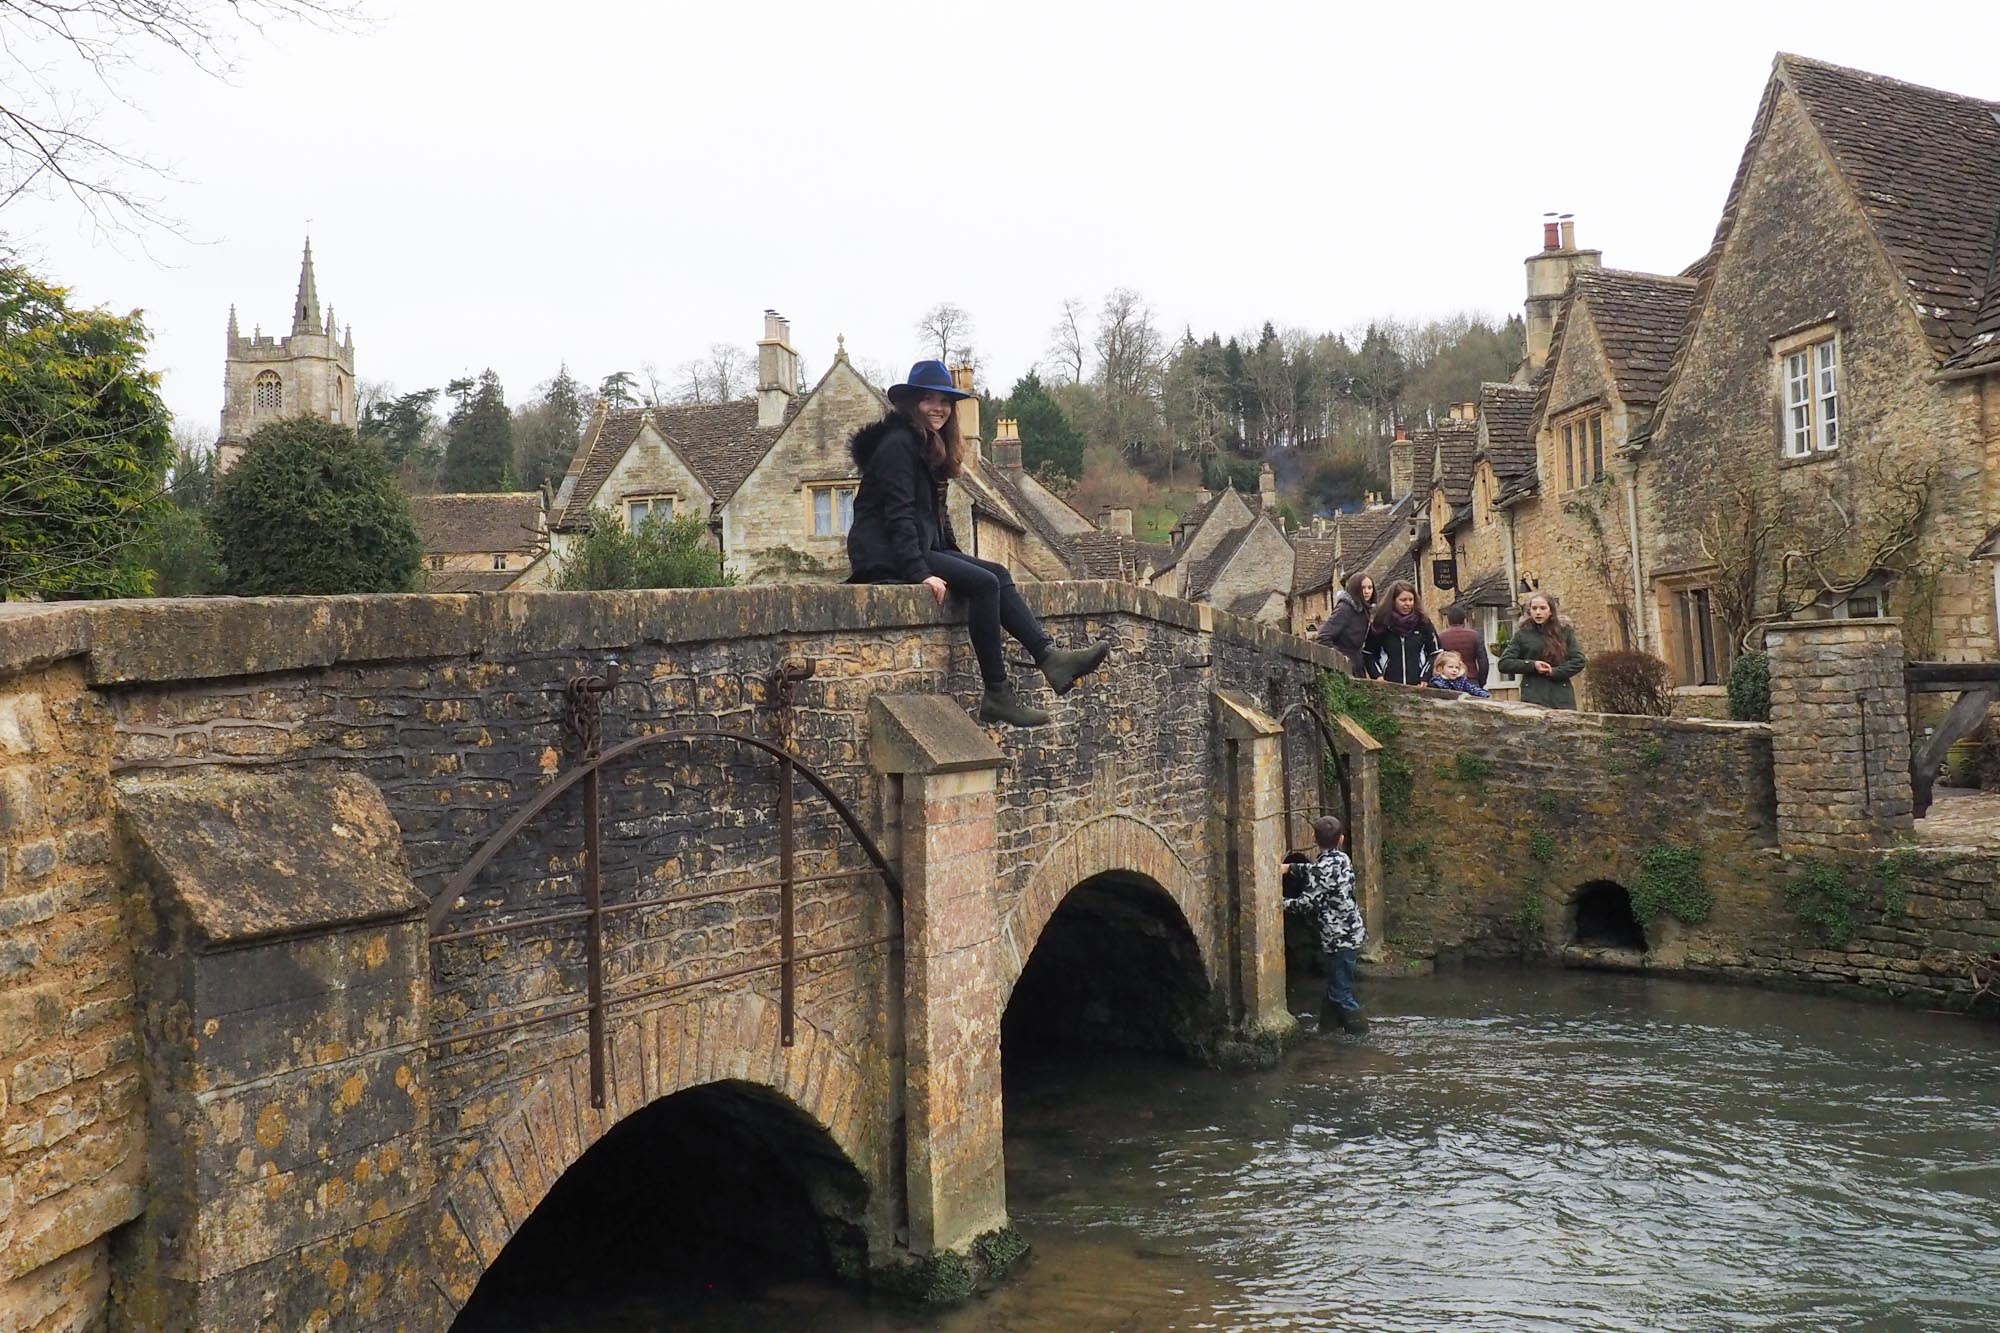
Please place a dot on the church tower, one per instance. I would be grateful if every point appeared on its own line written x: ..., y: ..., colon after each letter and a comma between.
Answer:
x: 310, y: 372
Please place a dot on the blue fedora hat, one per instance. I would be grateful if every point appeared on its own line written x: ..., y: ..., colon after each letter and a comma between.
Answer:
x: 930, y: 377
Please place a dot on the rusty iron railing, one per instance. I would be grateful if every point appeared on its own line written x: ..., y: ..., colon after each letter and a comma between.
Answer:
x: 1331, y: 760
x: 583, y: 722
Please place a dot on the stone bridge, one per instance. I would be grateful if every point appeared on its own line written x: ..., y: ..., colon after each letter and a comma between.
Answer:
x: 359, y: 925
x: 355, y: 952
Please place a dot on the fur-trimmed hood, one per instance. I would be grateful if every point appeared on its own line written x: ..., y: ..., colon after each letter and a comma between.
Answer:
x: 869, y: 438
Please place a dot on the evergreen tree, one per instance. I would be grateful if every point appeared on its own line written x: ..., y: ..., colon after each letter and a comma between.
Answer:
x: 405, y: 427
x: 1049, y: 443
x: 313, y: 509
x: 84, y: 444
x: 661, y: 553
x: 179, y: 546
x: 547, y: 434
x: 480, y: 436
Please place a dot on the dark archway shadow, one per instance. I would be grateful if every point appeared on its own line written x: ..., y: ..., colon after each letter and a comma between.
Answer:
x: 1115, y: 968
x: 1602, y: 918
x: 707, y: 1196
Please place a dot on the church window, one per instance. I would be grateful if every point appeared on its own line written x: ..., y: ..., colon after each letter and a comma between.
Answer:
x: 270, y: 392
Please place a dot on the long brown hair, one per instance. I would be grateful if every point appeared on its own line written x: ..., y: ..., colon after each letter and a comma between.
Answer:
x: 1555, y: 634
x: 1353, y: 589
x: 944, y: 449
x: 1385, y: 605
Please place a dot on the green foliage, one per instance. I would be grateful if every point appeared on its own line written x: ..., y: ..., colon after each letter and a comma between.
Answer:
x: 1529, y: 912
x: 660, y: 553
x: 311, y: 509
x: 1826, y: 897
x: 1626, y: 681
x: 406, y: 430
x: 1342, y: 695
x: 479, y: 438
x: 1545, y: 803
x: 84, y: 445
x: 547, y: 432
x: 1000, y: 1249
x: 1652, y: 754
x: 1750, y: 688
x: 178, y: 548
x: 1670, y: 882
x: 1471, y: 769
x: 1050, y: 443
x: 1542, y: 848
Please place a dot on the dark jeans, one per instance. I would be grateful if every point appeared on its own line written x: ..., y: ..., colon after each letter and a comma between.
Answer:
x: 1340, y: 981
x: 995, y: 602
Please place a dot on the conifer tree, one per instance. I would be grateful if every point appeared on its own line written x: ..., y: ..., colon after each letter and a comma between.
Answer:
x: 1049, y: 443
x: 480, y: 435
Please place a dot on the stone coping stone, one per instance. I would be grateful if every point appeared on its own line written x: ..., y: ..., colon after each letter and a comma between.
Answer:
x: 245, y: 856
x: 927, y: 733
x: 203, y: 638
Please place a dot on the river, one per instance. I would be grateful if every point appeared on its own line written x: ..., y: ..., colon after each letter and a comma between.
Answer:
x: 1505, y: 1150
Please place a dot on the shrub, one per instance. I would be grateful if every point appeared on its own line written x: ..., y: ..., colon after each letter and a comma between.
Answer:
x: 1750, y: 688
x: 311, y: 510
x: 1630, y: 682
x: 1670, y: 882
x: 660, y: 553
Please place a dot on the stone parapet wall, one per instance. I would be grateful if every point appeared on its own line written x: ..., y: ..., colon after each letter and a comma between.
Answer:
x: 1841, y: 735
x: 72, y: 1133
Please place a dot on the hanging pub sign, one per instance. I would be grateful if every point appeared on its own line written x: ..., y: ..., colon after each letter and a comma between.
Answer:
x: 1444, y: 575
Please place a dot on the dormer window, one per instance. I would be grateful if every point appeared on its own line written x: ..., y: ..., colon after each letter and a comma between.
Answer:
x: 1809, y: 371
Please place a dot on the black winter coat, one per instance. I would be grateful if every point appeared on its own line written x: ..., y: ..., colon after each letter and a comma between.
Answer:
x: 896, y: 512
x: 1401, y: 659
x: 1346, y: 629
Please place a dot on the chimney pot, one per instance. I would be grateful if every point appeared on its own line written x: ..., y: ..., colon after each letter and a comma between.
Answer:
x: 1568, y: 232
x: 1551, y: 232
x: 1402, y: 434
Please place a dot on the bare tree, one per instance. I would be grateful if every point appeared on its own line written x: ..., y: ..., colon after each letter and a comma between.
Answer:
x: 725, y: 374
x: 49, y: 144
x: 1068, y: 342
x: 948, y: 329
x: 655, y: 392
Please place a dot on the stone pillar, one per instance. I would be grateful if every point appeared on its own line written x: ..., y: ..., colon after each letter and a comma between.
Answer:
x: 940, y: 770
x: 1840, y: 735
x: 284, y: 970
x: 1363, y: 754
x: 1252, y: 792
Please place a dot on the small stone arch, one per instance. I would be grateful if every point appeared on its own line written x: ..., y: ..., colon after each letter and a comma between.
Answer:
x: 493, y: 1187
x: 1106, y: 845
x: 1601, y: 916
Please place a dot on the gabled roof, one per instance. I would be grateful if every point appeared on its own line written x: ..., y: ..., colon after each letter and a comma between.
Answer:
x: 1639, y: 319
x: 1924, y: 166
x: 1314, y: 563
x: 1358, y: 532
x: 1507, y: 424
x: 1045, y: 513
x: 1487, y: 588
x: 1102, y: 555
x: 1201, y: 575
x: 1452, y: 445
x: 472, y: 523
x: 1394, y: 529
x: 720, y: 443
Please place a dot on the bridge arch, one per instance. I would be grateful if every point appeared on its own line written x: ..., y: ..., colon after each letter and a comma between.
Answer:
x: 721, y: 1040
x: 1107, y: 845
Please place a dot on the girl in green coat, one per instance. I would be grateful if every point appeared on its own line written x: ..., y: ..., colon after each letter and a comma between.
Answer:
x: 1544, y: 653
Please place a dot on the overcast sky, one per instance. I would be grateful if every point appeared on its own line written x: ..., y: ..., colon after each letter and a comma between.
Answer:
x: 518, y: 184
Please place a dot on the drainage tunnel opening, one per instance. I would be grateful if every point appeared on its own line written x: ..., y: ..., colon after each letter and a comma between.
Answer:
x: 1116, y: 968
x: 710, y: 1195
x: 1604, y: 918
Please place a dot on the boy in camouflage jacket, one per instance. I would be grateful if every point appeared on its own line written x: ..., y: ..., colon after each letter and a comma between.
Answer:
x: 1324, y: 890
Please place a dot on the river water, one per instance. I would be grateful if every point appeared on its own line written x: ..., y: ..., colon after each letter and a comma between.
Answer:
x: 1505, y: 1150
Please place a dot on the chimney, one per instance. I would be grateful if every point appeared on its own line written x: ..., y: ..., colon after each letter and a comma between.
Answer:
x: 1007, y: 444
x: 777, y: 371
x: 1402, y: 465
x: 1549, y: 272
x: 968, y: 411
x: 1112, y: 519
x: 1267, y: 488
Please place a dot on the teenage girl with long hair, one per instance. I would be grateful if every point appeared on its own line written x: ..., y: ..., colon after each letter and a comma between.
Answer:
x: 902, y: 534
x: 1545, y: 653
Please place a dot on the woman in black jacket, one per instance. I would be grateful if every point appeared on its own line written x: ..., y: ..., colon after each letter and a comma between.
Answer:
x: 1346, y: 630
x: 1401, y: 639
x: 901, y: 533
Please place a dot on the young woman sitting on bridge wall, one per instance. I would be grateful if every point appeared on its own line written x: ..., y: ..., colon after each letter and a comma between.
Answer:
x: 902, y: 534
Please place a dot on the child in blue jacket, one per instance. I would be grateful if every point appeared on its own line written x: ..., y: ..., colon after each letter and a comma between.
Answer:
x: 1448, y: 673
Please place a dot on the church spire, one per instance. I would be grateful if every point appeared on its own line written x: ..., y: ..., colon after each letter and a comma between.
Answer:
x: 232, y: 323
x: 305, y: 311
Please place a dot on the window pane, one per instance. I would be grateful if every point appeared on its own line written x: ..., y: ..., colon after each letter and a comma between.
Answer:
x: 1798, y: 404
x: 1829, y: 396
x: 822, y: 512
x: 1597, y: 448
x: 1569, y: 457
x: 846, y: 497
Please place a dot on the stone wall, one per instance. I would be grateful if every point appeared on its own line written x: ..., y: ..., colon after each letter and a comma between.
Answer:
x: 71, y: 1112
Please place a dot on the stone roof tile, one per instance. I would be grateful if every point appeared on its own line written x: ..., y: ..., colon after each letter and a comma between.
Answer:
x: 1314, y: 563
x: 720, y: 443
x: 1507, y: 424
x: 474, y: 523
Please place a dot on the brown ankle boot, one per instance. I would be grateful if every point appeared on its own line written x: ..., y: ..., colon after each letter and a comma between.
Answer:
x: 1064, y: 667
x: 1001, y: 704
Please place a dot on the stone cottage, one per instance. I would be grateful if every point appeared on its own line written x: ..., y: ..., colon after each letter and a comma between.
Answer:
x: 480, y: 542
x: 1827, y: 443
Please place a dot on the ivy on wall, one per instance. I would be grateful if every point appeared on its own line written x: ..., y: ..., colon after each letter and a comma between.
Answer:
x: 1670, y: 883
